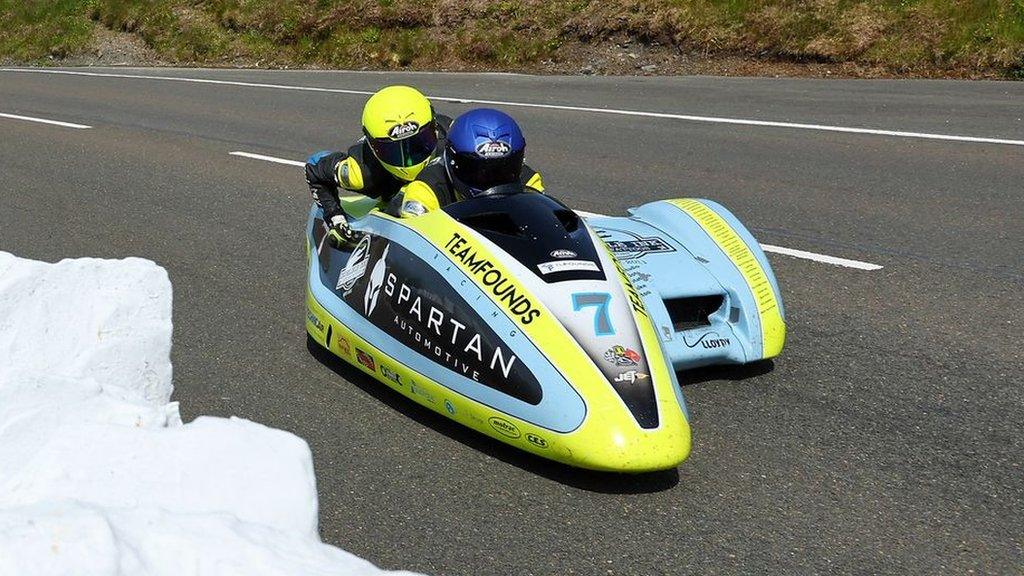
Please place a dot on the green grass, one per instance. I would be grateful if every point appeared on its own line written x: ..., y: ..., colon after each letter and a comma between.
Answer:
x: 35, y: 29
x: 901, y: 35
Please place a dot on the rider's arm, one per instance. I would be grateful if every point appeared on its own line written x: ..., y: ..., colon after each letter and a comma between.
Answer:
x: 329, y: 172
x: 531, y: 179
x: 322, y: 180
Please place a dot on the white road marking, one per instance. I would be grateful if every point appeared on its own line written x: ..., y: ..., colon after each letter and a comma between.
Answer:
x: 192, y: 80
x: 269, y: 158
x: 45, y: 121
x: 823, y: 258
x: 463, y: 100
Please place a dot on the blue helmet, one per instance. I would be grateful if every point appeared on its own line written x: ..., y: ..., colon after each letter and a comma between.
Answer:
x: 485, y: 149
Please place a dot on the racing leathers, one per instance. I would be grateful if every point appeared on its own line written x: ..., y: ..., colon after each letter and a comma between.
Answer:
x: 435, y: 187
x: 355, y: 170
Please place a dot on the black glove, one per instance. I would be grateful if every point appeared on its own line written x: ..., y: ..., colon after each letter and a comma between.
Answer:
x: 339, y: 234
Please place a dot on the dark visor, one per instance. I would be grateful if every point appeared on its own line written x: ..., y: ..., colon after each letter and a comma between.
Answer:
x: 407, y: 151
x: 483, y: 173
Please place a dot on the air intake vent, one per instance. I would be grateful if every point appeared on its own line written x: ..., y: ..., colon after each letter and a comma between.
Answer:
x: 692, y: 312
x: 569, y: 219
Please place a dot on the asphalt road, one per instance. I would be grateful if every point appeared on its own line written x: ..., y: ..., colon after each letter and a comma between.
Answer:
x: 886, y: 439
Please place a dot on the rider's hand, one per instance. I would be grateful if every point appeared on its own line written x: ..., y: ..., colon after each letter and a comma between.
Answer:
x: 339, y: 233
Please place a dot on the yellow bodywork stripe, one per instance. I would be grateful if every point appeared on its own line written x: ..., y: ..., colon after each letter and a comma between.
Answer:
x: 773, y: 327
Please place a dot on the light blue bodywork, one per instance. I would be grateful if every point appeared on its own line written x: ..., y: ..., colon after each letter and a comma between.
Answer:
x: 684, y: 261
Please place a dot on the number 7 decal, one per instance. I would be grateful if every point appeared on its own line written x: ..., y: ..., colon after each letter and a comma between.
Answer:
x: 599, y: 300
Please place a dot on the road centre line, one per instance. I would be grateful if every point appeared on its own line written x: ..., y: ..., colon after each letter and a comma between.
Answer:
x: 269, y: 158
x: 823, y: 258
x: 640, y: 113
x: 45, y: 121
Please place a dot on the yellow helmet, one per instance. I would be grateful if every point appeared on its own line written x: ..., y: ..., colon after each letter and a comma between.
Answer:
x: 398, y: 122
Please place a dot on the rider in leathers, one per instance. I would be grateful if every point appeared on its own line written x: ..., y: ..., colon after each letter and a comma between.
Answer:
x: 401, y: 134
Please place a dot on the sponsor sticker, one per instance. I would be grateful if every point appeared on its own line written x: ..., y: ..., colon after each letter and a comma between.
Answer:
x: 536, y: 440
x: 635, y: 300
x: 628, y: 245
x: 436, y: 331
x: 314, y: 321
x: 366, y: 360
x: 356, y: 265
x: 709, y: 340
x: 493, y: 149
x: 556, y: 266
x: 504, y: 427
x: 563, y: 253
x: 519, y: 304
x: 421, y: 392
x: 390, y: 374
x: 630, y: 376
x: 344, y: 346
x: 449, y: 407
x: 403, y: 130
x: 622, y: 356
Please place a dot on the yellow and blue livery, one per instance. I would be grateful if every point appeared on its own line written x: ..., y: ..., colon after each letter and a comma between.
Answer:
x: 512, y: 315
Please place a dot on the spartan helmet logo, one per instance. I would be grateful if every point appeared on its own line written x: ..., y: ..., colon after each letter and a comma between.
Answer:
x: 376, y: 281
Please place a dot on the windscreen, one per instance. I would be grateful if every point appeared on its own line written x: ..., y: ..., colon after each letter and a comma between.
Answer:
x: 537, y: 230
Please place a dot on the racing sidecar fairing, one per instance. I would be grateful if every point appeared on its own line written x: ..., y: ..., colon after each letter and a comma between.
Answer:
x: 705, y: 281
x: 517, y: 318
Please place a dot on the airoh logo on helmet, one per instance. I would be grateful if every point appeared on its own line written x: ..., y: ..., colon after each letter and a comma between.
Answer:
x: 403, y: 130
x: 493, y: 149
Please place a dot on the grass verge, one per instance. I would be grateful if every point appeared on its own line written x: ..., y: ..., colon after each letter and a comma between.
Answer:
x: 902, y: 37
